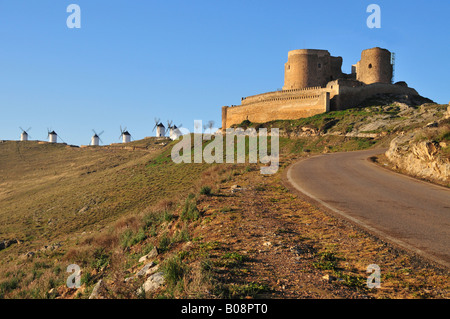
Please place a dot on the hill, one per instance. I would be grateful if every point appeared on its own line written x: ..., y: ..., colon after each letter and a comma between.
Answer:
x: 139, y: 225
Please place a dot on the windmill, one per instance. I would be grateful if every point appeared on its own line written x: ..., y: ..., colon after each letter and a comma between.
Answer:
x: 96, y: 138
x: 174, y: 132
x: 209, y: 127
x: 160, y: 128
x: 52, y: 136
x: 125, y: 135
x: 24, y: 136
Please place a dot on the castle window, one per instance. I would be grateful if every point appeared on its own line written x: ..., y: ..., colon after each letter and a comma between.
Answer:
x: 319, y: 65
x: 370, y: 66
x: 289, y: 67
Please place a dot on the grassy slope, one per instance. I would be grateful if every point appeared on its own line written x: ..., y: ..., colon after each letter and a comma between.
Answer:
x: 52, y: 193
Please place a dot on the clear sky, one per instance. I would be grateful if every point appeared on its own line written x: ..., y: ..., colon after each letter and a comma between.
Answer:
x: 134, y: 60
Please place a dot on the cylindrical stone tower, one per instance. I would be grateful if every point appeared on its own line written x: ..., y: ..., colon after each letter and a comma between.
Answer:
x: 307, y: 68
x: 375, y: 66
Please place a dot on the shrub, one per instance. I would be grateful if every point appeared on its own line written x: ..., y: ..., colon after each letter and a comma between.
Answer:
x: 174, y: 270
x: 327, y: 261
x: 101, y: 259
x: 164, y: 243
x: 190, y: 210
x: 182, y: 236
x: 8, y: 285
x: 205, y: 190
x: 129, y: 238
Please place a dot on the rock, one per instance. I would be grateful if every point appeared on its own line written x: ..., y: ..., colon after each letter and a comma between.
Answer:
x: 151, y: 254
x: 236, y: 188
x: 447, y: 114
x: 187, y: 245
x: 99, y: 290
x: 153, y: 282
x: 329, y: 278
x: 6, y: 243
x: 51, y: 247
x: 84, y: 209
x: 147, y: 269
x: 419, y: 158
x: 30, y: 254
x: 267, y: 243
x: 432, y: 124
x: 53, y: 293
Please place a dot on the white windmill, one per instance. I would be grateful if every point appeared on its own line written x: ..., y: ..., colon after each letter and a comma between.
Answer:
x: 52, y: 136
x: 95, y: 139
x: 160, y: 128
x: 209, y: 127
x: 24, y: 135
x: 174, y: 132
x: 125, y: 135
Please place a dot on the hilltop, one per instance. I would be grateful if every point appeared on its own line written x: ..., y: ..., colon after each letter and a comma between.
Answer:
x: 131, y: 219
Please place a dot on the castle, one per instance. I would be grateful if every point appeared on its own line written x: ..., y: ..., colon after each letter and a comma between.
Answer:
x: 314, y: 83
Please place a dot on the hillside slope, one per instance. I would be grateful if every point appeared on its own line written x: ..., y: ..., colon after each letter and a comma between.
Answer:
x: 132, y: 219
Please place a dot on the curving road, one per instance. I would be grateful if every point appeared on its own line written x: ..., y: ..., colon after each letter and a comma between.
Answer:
x: 403, y: 210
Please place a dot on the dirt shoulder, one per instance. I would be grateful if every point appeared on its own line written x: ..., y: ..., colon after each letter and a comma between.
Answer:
x: 268, y: 242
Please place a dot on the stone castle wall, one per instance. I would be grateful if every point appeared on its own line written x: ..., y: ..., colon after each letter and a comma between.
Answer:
x: 294, y: 104
x: 314, y: 83
x: 283, y: 107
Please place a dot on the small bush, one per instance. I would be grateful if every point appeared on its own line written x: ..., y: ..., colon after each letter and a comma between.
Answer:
x: 8, y: 285
x: 251, y: 289
x: 164, y: 243
x: 86, y: 278
x: 327, y: 261
x: 174, y: 270
x: 190, y: 210
x: 182, y: 236
x: 101, y: 259
x: 129, y: 239
x: 205, y: 190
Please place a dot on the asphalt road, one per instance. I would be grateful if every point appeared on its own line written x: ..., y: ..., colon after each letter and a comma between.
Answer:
x: 400, y: 209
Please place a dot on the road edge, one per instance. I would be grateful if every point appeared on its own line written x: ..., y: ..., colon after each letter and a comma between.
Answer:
x: 294, y: 187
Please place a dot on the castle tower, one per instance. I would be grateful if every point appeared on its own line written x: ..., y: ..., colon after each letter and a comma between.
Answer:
x: 375, y: 66
x: 307, y: 68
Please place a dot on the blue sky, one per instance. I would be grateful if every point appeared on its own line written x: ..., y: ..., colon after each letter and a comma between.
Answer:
x: 134, y: 60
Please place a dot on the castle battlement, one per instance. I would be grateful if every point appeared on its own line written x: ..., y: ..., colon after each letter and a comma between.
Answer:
x: 314, y: 83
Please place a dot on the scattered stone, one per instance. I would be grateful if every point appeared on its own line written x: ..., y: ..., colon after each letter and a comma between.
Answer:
x: 267, y: 243
x: 153, y: 282
x: 187, y: 245
x: 99, y: 290
x: 432, y: 124
x: 53, y: 293
x: 6, y: 243
x: 447, y: 114
x: 144, y: 269
x: 51, y: 247
x: 84, y: 209
x: 236, y: 188
x: 303, y: 250
x: 329, y: 278
x: 30, y: 254
x: 153, y: 253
